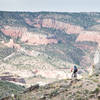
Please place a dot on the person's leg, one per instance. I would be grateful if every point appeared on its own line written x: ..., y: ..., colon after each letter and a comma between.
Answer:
x: 75, y: 75
x: 72, y: 74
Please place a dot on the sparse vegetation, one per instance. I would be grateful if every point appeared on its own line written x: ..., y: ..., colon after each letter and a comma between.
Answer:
x: 63, y: 54
x: 7, y: 89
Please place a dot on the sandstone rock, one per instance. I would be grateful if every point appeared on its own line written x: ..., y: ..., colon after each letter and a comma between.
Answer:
x: 89, y: 36
x: 51, y: 23
x: 12, y: 44
x: 32, y: 88
x: 36, y: 39
x: 13, y: 31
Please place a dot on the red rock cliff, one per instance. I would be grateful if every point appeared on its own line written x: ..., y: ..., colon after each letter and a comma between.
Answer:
x: 51, y: 23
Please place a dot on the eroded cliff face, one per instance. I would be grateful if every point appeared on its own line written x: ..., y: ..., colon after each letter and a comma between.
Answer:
x: 89, y: 36
x: 13, y: 31
x: 68, y: 32
x: 84, y: 35
x: 68, y: 28
x: 51, y: 23
x: 36, y: 39
x: 26, y: 36
x: 11, y: 44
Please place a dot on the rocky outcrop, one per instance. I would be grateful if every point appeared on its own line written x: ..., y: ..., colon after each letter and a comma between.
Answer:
x: 51, y: 23
x: 89, y: 36
x: 32, y: 88
x: 37, y: 39
x: 13, y: 31
x: 68, y: 28
x: 25, y: 36
x: 13, y: 79
x: 88, y: 88
x: 11, y: 44
x: 35, y: 23
x: 86, y: 60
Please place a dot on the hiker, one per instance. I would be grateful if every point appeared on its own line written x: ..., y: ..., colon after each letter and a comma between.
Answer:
x: 74, y: 74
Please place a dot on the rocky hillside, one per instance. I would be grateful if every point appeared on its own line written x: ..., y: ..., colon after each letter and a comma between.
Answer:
x: 86, y: 89
x: 42, y: 47
x: 7, y: 89
x: 73, y: 34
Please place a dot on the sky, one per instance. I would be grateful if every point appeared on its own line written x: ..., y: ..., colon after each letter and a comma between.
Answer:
x: 50, y: 5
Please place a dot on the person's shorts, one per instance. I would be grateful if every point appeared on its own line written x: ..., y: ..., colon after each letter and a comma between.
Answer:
x: 75, y: 71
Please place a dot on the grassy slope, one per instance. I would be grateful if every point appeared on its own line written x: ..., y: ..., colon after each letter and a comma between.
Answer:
x: 7, y: 88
